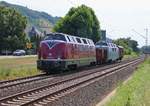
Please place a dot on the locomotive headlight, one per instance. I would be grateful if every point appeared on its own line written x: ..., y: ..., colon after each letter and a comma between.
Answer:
x: 58, y: 58
x: 50, y: 54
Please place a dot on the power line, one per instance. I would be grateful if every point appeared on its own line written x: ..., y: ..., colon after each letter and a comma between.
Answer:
x: 139, y: 33
x: 145, y: 37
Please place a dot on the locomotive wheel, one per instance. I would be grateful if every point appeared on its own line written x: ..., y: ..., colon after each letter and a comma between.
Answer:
x: 93, y: 63
x: 72, y: 67
x: 110, y: 61
x: 52, y: 71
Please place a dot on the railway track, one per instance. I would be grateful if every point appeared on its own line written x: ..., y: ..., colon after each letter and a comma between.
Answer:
x: 20, y: 81
x: 46, y: 94
x: 10, y: 83
x: 21, y: 84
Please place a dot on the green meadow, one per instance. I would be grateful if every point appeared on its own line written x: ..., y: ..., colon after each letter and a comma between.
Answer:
x: 11, y: 68
x: 136, y: 92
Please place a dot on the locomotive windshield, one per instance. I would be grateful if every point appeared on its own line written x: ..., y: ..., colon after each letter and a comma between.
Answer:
x: 55, y: 37
x: 101, y: 43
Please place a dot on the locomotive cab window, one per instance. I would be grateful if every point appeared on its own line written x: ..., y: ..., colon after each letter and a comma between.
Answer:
x: 55, y: 37
x: 73, y: 39
x: 84, y: 41
x: 102, y: 43
x: 78, y: 40
x: 68, y: 38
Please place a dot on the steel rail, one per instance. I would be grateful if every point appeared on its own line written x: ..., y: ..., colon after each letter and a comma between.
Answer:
x: 23, y: 81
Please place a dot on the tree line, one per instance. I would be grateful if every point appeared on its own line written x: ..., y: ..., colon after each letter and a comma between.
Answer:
x: 80, y: 21
x: 130, y: 46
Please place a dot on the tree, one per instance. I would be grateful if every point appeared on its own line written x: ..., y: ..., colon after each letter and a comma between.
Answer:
x: 80, y: 21
x: 12, y: 26
x: 128, y: 44
x: 134, y: 45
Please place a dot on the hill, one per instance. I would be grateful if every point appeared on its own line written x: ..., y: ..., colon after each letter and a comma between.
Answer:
x: 40, y: 20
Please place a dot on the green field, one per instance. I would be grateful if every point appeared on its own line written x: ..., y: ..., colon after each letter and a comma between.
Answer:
x: 136, y: 92
x: 11, y: 68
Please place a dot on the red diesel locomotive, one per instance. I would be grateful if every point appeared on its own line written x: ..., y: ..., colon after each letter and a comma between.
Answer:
x: 62, y: 51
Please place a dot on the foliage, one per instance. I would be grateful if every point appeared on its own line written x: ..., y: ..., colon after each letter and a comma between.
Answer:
x: 128, y: 44
x: 80, y: 21
x: 12, y: 26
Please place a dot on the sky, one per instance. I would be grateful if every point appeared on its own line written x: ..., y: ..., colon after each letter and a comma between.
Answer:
x: 118, y: 17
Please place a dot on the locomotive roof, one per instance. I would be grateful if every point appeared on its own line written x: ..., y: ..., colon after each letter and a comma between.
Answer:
x: 69, y: 38
x: 120, y: 46
x: 105, y: 44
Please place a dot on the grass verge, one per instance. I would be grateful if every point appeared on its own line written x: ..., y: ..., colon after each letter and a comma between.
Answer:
x: 136, y: 92
x: 132, y: 55
x: 11, y: 68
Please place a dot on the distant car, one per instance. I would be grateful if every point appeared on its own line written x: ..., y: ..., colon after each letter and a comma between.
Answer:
x: 19, y: 53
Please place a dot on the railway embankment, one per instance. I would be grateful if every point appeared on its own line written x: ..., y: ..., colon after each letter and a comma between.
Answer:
x: 90, y: 95
x: 136, y: 91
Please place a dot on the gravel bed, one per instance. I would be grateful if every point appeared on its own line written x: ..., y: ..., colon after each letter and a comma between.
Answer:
x: 90, y: 95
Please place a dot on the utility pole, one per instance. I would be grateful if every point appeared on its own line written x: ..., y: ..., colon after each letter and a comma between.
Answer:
x: 146, y: 37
